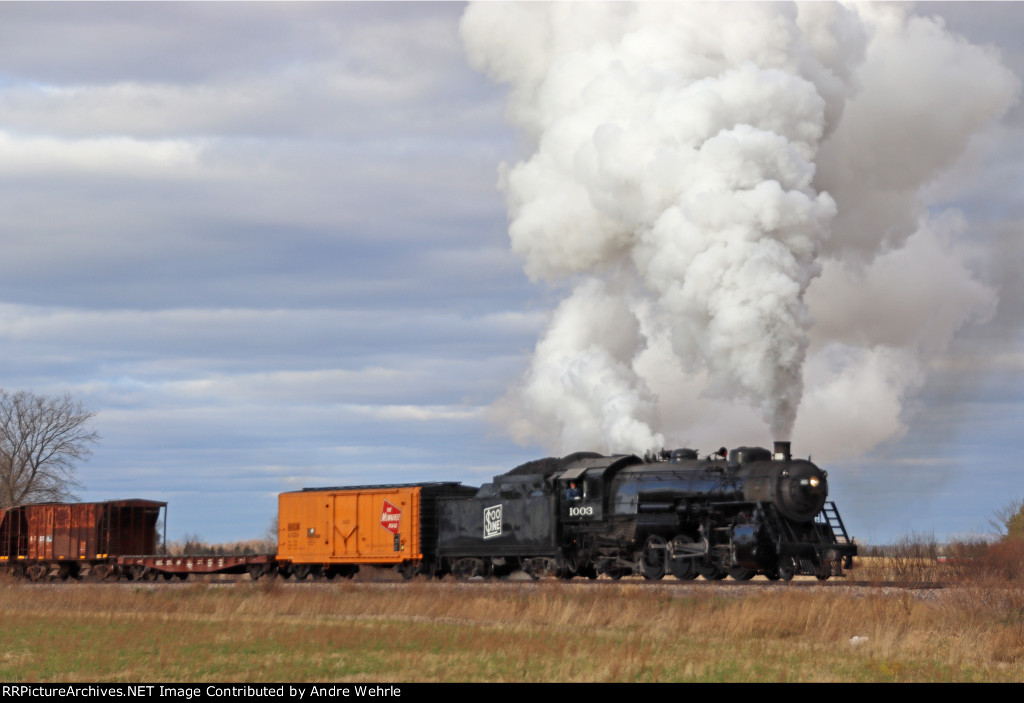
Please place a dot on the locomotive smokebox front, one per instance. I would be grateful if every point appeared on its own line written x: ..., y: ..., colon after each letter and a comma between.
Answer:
x: 796, y: 487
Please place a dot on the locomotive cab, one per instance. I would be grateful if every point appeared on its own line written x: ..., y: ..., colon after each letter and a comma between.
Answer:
x: 581, y: 495
x: 592, y: 474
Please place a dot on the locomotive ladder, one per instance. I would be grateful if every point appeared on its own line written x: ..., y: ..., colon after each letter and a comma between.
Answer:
x: 830, y: 516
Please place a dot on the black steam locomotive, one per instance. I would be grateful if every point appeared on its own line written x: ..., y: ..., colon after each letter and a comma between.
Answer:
x: 740, y: 513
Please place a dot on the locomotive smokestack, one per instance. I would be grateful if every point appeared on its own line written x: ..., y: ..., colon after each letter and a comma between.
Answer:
x: 782, y: 451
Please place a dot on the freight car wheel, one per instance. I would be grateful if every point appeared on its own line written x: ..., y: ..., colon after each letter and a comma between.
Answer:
x: 101, y: 572
x: 469, y: 567
x: 407, y: 569
x: 534, y: 568
x: 652, y: 561
x: 540, y: 567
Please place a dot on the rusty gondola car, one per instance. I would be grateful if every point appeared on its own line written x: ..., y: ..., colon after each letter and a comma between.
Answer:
x: 61, y: 540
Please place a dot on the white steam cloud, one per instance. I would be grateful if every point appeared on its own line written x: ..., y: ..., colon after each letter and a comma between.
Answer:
x: 736, y: 195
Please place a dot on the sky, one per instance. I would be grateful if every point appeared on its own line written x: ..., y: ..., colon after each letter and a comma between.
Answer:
x: 269, y: 246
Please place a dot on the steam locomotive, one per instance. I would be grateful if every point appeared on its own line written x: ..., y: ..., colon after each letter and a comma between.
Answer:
x: 739, y: 513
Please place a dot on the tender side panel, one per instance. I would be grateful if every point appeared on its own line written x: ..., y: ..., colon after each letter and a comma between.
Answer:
x: 431, y: 500
x: 498, y: 526
x: 377, y: 525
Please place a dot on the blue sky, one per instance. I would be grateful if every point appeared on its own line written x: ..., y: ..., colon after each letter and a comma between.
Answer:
x: 264, y: 243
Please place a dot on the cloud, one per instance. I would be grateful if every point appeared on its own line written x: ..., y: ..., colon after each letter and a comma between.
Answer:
x: 34, y: 156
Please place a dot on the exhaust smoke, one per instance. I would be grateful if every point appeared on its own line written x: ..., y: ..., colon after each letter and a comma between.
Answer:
x: 725, y: 191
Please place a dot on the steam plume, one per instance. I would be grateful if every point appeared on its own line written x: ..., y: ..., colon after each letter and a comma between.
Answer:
x: 709, y: 179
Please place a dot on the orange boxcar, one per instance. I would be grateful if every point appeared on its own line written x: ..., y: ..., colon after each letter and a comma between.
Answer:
x: 332, y: 531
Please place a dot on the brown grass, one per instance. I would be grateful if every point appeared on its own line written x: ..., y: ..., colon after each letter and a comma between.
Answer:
x: 548, y: 631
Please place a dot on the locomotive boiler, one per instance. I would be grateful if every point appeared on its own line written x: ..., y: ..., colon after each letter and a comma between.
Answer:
x: 740, y: 513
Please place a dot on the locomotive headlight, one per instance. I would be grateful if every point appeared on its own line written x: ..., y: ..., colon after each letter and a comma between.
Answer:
x: 814, y: 481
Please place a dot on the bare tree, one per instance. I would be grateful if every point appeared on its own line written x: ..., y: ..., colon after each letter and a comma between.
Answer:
x: 1008, y: 521
x: 41, y: 440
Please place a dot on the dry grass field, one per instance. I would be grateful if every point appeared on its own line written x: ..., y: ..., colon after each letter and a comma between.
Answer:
x: 509, y: 632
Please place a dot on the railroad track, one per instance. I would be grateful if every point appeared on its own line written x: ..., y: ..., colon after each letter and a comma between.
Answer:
x: 385, y: 579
